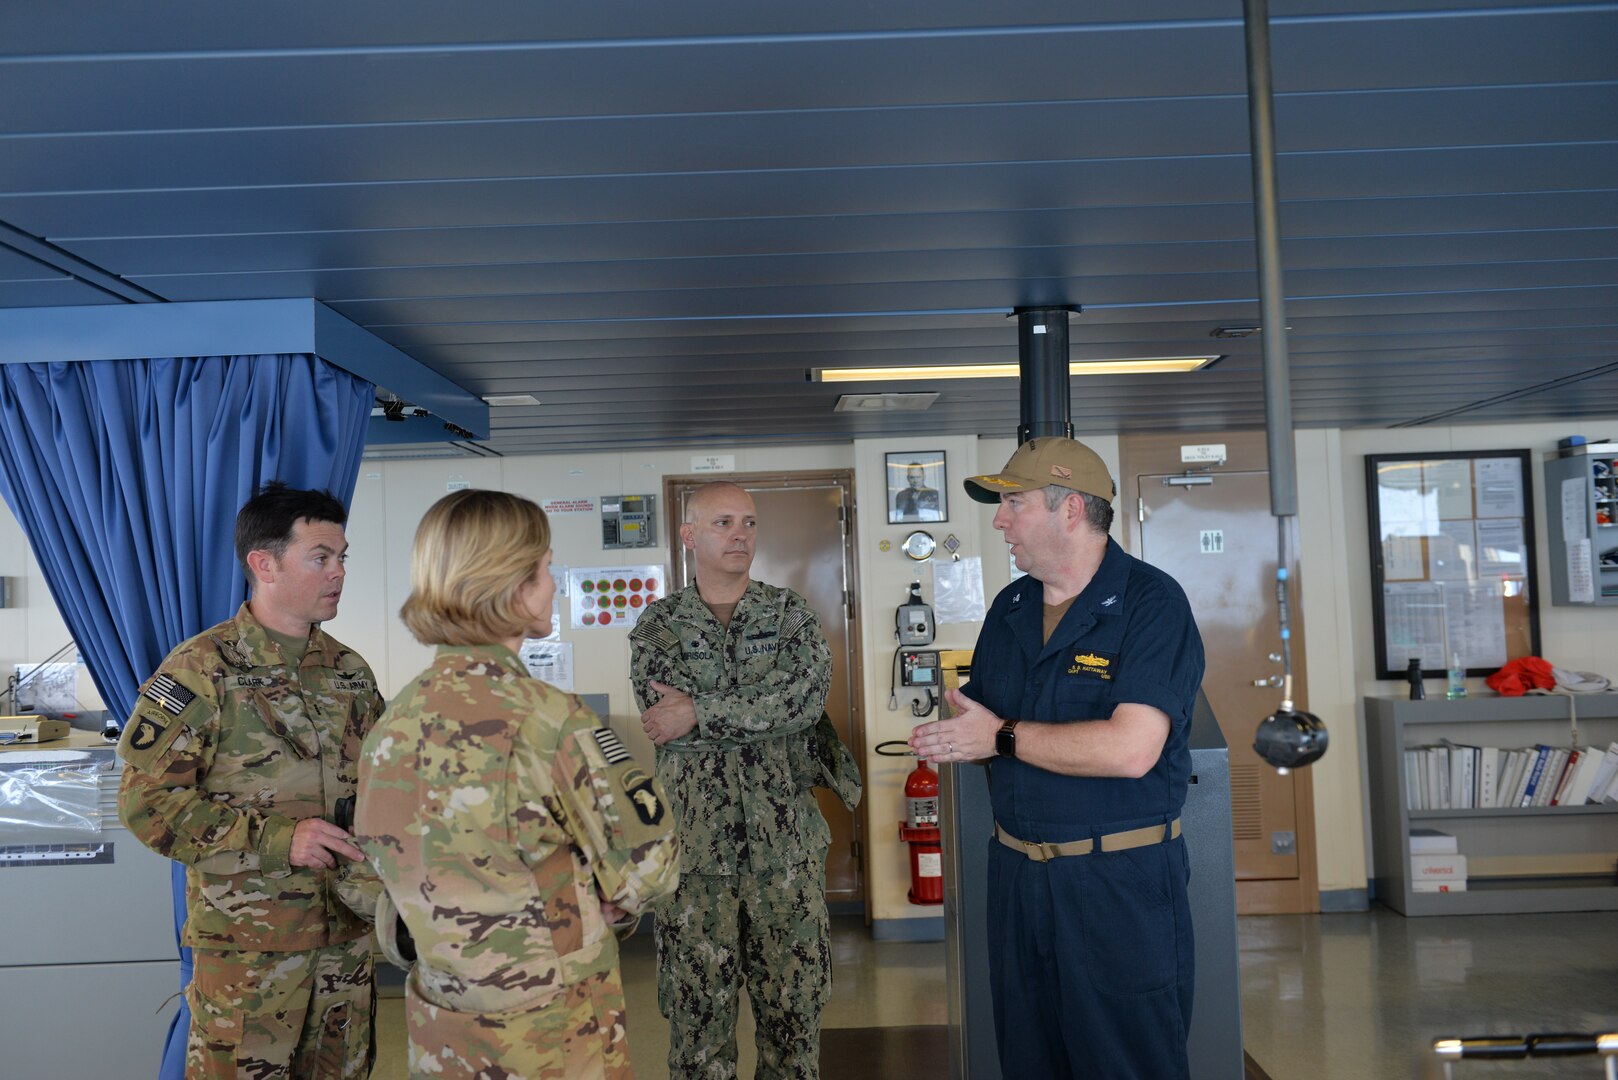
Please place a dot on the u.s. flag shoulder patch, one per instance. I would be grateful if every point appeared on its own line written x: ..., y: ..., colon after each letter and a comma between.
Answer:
x: 168, y: 693
x: 612, y: 748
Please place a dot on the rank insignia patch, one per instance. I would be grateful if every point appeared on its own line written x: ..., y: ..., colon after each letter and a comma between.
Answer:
x: 171, y: 695
x: 612, y: 748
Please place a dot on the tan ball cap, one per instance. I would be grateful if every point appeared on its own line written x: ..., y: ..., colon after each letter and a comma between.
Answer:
x: 1041, y: 462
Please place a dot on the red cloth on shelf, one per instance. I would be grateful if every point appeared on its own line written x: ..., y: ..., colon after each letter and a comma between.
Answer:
x: 1522, y: 675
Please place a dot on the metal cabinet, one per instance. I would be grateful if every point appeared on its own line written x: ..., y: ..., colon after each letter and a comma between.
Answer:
x: 88, y: 963
x: 1581, y: 514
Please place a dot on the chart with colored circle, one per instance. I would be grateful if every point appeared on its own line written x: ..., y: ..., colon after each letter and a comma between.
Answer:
x: 613, y: 595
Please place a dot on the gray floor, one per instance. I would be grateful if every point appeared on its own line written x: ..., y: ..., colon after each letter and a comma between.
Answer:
x: 1363, y: 995
x: 1324, y: 997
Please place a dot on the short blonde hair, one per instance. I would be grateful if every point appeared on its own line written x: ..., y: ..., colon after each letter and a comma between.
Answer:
x: 474, y: 549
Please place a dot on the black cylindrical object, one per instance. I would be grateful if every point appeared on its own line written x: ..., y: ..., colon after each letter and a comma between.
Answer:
x: 1042, y: 362
x: 1418, y: 689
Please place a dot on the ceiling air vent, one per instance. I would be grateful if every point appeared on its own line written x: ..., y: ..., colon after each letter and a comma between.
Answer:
x: 885, y: 402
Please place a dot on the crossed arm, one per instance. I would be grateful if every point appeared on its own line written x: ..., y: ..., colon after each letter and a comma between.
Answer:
x: 786, y: 700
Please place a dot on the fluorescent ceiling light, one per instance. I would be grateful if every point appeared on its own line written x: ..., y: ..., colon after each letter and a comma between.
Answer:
x: 510, y: 399
x: 1134, y: 366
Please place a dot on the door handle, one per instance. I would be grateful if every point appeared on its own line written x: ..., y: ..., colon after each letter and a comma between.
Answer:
x: 1273, y: 680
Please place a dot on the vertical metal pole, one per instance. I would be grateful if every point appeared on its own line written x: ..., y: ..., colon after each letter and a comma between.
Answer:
x: 1044, y: 384
x: 1272, y: 298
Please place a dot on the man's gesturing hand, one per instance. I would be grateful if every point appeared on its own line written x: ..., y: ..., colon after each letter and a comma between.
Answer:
x: 317, y: 842
x: 966, y: 736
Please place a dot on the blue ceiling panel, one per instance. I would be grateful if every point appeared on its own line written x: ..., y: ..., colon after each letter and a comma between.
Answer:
x: 250, y: 86
x: 876, y: 298
x: 58, y: 292
x: 915, y: 267
x: 1542, y: 213
x: 954, y: 188
x: 862, y: 138
x: 15, y: 266
x: 657, y: 217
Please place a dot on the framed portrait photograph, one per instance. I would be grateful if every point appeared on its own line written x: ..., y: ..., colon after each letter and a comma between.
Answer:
x: 918, y: 489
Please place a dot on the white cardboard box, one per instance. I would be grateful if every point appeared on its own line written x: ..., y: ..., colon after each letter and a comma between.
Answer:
x: 1436, y: 870
x: 1432, y: 842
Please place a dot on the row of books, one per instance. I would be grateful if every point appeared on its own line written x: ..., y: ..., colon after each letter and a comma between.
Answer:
x: 1451, y: 776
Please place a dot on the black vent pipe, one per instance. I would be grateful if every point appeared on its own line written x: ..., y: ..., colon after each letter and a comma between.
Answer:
x: 1043, y: 383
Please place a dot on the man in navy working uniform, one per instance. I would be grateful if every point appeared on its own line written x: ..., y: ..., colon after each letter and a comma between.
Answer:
x: 1080, y: 701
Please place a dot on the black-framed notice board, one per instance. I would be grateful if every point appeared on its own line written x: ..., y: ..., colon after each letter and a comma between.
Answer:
x: 1452, y: 559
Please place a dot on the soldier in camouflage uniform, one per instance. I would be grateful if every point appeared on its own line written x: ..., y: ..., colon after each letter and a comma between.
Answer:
x: 738, y: 671
x: 235, y: 757
x: 510, y: 826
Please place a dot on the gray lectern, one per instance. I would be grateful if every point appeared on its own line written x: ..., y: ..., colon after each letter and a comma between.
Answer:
x: 1216, y: 1021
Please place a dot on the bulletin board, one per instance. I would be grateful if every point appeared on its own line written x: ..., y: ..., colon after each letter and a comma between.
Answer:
x: 1452, y: 560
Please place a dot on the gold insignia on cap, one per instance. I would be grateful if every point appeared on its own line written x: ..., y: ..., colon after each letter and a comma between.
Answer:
x: 995, y: 480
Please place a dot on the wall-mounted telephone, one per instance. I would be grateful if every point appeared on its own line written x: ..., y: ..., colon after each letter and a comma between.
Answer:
x: 918, y: 667
x: 914, y: 619
x: 913, y: 626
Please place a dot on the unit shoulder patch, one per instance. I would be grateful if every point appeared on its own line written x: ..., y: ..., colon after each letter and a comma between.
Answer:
x: 642, y: 795
x: 148, y: 736
x: 148, y: 730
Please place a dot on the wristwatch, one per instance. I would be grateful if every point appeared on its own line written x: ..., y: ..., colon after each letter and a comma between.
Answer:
x: 1005, y: 740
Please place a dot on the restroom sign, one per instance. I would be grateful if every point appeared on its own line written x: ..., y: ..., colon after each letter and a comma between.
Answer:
x: 1213, y: 541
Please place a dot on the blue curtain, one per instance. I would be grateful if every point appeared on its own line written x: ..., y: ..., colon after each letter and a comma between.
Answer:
x: 126, y: 476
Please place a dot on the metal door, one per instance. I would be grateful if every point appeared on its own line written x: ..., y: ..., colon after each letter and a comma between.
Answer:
x: 1210, y: 528
x: 805, y: 543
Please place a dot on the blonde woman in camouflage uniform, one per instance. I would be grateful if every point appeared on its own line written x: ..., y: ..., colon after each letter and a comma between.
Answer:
x: 511, y: 828
x: 733, y: 674
x: 235, y: 758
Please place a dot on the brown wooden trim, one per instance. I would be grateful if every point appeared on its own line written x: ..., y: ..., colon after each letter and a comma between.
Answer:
x: 1284, y: 897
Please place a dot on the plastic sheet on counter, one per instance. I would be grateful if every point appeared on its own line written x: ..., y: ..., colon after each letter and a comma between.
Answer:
x: 52, y: 789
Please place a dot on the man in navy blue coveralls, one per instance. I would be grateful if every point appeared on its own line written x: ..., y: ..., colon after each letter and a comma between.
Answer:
x: 1080, y: 702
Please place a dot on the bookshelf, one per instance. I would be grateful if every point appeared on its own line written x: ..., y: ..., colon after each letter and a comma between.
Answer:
x: 1530, y: 859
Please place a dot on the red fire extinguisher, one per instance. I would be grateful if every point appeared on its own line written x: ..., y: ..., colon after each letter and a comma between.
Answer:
x: 920, y: 831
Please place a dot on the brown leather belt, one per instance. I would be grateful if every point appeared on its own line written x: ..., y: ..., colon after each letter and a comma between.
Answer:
x: 1040, y: 851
